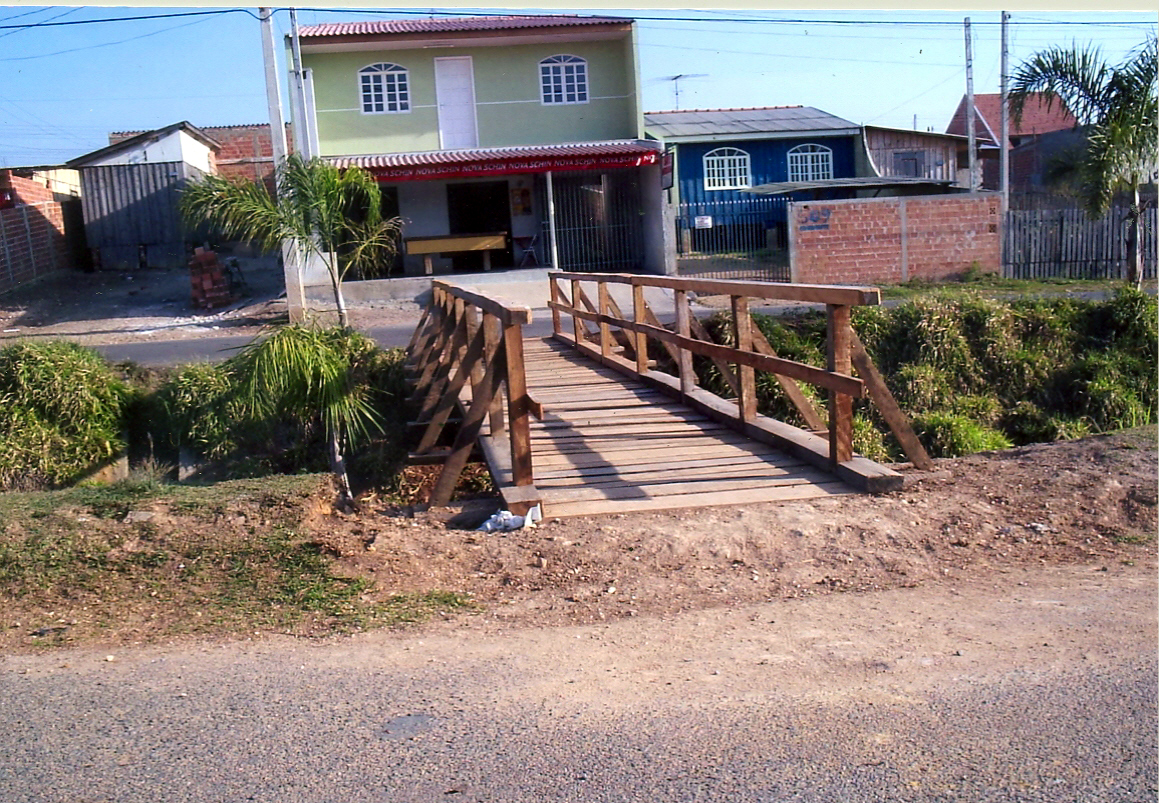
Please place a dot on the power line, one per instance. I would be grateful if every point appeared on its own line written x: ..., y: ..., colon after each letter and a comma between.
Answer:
x: 103, y: 44
x: 131, y: 19
x: 453, y: 14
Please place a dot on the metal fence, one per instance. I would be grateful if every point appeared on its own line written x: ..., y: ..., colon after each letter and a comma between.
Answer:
x: 743, y: 239
x: 1066, y: 244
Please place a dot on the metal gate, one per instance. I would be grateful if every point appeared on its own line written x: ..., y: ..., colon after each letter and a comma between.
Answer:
x: 598, y: 222
x: 742, y: 239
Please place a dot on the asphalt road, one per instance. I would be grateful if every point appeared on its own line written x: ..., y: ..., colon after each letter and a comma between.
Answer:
x: 158, y: 353
x: 1039, y: 688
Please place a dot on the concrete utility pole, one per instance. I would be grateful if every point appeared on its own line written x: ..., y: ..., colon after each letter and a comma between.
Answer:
x: 970, y: 110
x: 301, y: 124
x: 1005, y: 153
x: 291, y: 258
x: 273, y: 90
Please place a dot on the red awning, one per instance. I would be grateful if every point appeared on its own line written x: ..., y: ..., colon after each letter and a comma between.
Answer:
x: 468, y: 163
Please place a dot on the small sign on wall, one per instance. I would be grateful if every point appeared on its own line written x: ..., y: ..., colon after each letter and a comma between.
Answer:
x: 702, y: 222
x: 813, y: 219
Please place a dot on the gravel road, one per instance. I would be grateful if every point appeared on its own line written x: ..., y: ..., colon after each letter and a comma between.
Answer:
x: 1033, y: 685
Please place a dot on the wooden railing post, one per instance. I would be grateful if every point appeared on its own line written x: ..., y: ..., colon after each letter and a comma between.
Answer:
x: 605, y: 330
x: 684, y: 356
x: 640, y: 339
x: 518, y: 406
x: 553, y: 287
x: 747, y: 386
x: 839, y: 342
x: 577, y: 324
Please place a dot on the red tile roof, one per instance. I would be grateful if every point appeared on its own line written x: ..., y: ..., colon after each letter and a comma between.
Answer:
x: 452, y: 25
x: 1036, y: 119
x: 468, y: 155
x: 467, y: 162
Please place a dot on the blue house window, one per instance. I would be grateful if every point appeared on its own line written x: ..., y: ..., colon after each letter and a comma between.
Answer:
x: 727, y: 169
x: 810, y: 163
x: 384, y: 88
x: 564, y: 79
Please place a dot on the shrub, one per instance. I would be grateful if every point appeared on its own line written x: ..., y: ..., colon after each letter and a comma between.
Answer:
x: 61, y: 413
x: 950, y: 435
x: 267, y: 409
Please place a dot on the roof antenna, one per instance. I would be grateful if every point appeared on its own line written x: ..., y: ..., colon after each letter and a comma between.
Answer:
x: 675, y: 79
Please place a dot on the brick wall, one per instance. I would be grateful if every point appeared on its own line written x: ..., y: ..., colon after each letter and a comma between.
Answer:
x: 890, y: 240
x: 32, y: 241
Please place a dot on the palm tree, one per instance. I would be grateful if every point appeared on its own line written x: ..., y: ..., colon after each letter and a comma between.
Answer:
x: 1116, y: 107
x: 306, y: 373
x: 331, y: 213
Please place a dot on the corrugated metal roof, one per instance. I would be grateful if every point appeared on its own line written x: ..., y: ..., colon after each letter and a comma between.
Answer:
x: 469, y: 155
x: 451, y: 25
x: 859, y: 182
x: 760, y: 120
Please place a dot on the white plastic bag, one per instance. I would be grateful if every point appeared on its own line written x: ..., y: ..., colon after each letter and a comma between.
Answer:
x: 505, y: 520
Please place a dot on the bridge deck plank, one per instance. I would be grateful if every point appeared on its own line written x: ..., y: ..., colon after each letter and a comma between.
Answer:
x: 608, y: 444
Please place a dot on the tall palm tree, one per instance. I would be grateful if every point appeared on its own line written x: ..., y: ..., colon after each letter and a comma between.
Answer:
x: 331, y: 213
x: 1116, y: 107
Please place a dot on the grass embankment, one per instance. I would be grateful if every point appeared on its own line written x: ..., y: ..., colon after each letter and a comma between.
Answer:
x: 144, y: 561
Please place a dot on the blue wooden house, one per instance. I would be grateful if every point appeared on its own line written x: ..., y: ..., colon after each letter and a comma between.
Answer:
x: 716, y: 154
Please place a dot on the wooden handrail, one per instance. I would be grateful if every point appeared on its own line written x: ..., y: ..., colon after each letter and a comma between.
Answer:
x: 769, y: 291
x: 739, y: 362
x: 468, y: 338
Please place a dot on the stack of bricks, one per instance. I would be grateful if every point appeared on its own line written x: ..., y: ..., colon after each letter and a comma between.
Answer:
x: 211, y: 286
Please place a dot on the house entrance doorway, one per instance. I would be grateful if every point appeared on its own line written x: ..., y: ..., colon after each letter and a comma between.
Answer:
x: 479, y: 208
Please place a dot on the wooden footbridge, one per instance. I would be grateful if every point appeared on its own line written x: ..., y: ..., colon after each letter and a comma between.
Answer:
x: 587, y: 422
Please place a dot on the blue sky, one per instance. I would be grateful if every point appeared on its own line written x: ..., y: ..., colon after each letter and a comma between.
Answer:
x: 64, y: 88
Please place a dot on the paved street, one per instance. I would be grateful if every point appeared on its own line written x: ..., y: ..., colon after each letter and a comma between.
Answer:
x: 1040, y: 687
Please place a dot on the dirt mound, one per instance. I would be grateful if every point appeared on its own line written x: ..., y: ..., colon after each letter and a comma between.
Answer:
x: 274, y: 556
x: 1089, y: 502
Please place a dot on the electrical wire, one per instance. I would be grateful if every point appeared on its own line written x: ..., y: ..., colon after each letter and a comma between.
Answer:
x: 137, y: 18
x: 102, y: 44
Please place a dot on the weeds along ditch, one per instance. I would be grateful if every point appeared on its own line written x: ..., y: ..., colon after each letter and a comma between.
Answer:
x: 976, y: 374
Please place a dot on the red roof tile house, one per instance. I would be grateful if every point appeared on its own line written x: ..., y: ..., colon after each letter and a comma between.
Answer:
x: 526, y: 130
x: 1029, y: 140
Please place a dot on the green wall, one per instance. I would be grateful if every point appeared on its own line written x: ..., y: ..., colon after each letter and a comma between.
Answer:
x: 508, y: 107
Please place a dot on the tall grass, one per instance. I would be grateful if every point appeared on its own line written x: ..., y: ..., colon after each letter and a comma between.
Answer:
x: 978, y: 374
x: 61, y: 410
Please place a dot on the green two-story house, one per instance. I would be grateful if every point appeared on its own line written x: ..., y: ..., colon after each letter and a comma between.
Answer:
x: 519, y: 134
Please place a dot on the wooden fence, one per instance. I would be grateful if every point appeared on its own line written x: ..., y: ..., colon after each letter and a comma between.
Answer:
x: 1066, y: 244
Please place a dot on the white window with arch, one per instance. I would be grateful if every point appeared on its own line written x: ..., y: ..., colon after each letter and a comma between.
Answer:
x: 810, y: 163
x: 727, y: 169
x: 385, y: 89
x: 563, y: 79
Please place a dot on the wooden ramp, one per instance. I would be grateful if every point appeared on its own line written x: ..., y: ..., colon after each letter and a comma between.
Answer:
x: 609, y: 444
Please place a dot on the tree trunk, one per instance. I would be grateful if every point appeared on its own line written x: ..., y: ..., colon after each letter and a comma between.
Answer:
x: 336, y: 281
x: 338, y: 468
x: 1134, y: 258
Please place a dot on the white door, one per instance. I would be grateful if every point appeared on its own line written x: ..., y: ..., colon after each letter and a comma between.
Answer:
x: 455, y: 97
